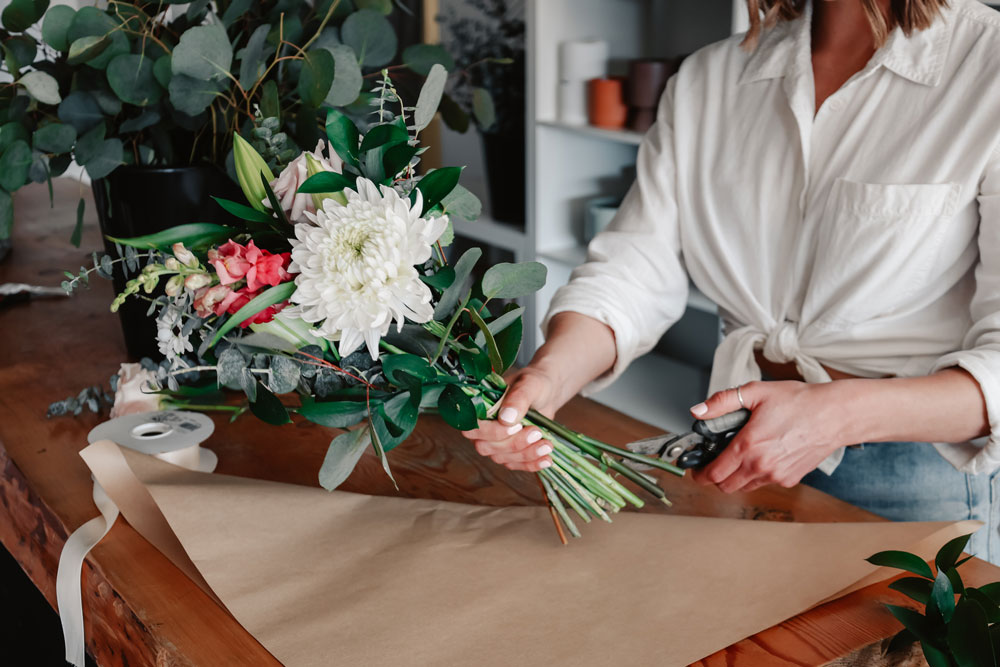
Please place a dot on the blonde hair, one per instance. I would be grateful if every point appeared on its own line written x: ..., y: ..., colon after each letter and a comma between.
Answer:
x: 910, y: 15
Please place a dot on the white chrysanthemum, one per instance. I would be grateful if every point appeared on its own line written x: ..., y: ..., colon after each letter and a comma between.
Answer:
x: 355, y: 266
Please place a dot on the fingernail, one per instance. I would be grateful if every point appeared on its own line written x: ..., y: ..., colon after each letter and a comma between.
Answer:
x: 534, y: 436
x: 545, y: 464
x: 699, y: 410
x: 514, y: 429
x: 508, y: 415
x: 543, y: 450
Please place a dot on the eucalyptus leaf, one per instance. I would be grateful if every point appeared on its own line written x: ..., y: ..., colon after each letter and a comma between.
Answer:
x: 379, y: 447
x: 92, y: 22
x: 147, y: 118
x: 42, y: 86
x: 162, y: 71
x: 316, y: 77
x: 483, y: 108
x: 347, y: 79
x: 203, y: 53
x: 11, y: 132
x: 19, y: 51
x: 451, y: 296
x: 342, y: 456
x: 109, y: 155
x: 87, y: 47
x: 38, y: 172
x: 422, y: 57
x: 190, y: 95
x: 6, y: 215
x: 284, y: 375
x: 80, y: 110
x: 235, y: 11
x: 253, y: 57
x: 371, y: 36
x: 54, y: 138
x: 14, y: 164
x: 19, y: 15
x: 511, y: 281
x: 430, y: 97
x: 55, y: 25
x: 229, y: 368
x: 131, y: 78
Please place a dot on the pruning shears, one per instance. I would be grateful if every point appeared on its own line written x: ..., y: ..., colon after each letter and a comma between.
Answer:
x: 698, y: 447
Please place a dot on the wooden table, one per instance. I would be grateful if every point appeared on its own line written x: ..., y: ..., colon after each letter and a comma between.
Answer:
x: 140, y: 610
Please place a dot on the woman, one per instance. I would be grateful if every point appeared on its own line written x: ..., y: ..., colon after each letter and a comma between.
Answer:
x: 835, y: 188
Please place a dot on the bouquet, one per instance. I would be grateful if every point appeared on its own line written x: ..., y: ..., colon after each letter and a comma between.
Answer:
x: 334, y: 302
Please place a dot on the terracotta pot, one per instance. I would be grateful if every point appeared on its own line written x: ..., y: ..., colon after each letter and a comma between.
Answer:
x: 606, y: 102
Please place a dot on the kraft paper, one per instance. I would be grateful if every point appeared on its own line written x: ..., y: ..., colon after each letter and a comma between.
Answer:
x: 346, y: 579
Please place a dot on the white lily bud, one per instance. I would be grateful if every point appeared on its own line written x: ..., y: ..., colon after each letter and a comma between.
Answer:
x: 197, y: 281
x: 184, y: 256
x: 174, y: 286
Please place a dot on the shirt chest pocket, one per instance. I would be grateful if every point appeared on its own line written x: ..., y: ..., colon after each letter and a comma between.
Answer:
x: 876, y: 247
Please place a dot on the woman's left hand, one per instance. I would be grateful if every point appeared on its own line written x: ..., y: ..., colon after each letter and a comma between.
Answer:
x: 793, y: 427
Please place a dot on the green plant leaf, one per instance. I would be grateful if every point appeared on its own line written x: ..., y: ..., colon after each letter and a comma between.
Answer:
x: 347, y: 79
x: 54, y: 137
x: 422, y: 57
x: 900, y: 640
x: 342, y: 456
x: 969, y: 636
x: 6, y: 215
x: 19, y: 51
x: 80, y: 110
x: 270, y: 104
x: 327, y: 181
x: 11, y: 132
x: 457, y: 408
x: 986, y: 602
x: 253, y: 57
x: 496, y: 360
x: 162, y: 71
x: 992, y: 591
x: 483, y: 108
x: 401, y: 411
x: 450, y: 298
x: 397, y: 158
x: 268, y: 408
x: 377, y: 425
x: 147, y: 118
x: 430, y: 97
x: 453, y: 115
x: 267, y: 298
x: 243, y: 211
x: 388, y: 134
x: 396, y: 365
x: 85, y: 48
x: 203, y: 53
x: 343, y: 135
x: 371, y: 36
x: 918, y: 624
x: 475, y: 363
x: 92, y: 22
x: 106, y: 159
x: 935, y: 657
x: 284, y: 372
x: 235, y: 11
x: 41, y: 86
x: 436, y: 185
x: 509, y: 343
x: 511, y: 281
x: 77, y: 234
x: 131, y: 77
x: 190, y: 95
x: 14, y: 164
x: 19, y: 15
x: 194, y: 235
x: 950, y: 552
x: 915, y: 588
x: 902, y: 560
x: 336, y: 414
x: 942, y: 596
x: 316, y: 77
x: 441, y: 280
x: 381, y: 6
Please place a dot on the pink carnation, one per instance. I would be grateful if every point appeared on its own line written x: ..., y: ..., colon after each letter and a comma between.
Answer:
x: 234, y: 262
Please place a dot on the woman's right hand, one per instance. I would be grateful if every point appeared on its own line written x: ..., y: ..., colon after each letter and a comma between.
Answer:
x: 505, y: 439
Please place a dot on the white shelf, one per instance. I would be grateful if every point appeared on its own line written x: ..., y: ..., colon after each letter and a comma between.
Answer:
x: 486, y: 230
x: 620, y: 136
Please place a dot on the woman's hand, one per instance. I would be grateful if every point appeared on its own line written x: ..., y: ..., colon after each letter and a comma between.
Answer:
x: 793, y: 427
x: 504, y: 439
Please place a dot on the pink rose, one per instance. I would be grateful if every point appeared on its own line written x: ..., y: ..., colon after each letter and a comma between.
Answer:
x: 132, y: 395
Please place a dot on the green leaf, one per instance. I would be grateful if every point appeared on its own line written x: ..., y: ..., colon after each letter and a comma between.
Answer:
x: 162, y: 72
x: 85, y: 48
x: 14, y: 165
x: 987, y: 603
x: 343, y: 135
x: 77, y: 234
x: 268, y: 407
x: 6, y: 215
x: 917, y: 623
x: 935, y: 657
x: 483, y: 108
x: 41, y: 86
x: 203, y: 53
x: 194, y: 235
x: 190, y: 95
x: 396, y: 365
x: 441, y: 280
x: 267, y: 298
x: 381, y: 6
x: 950, y: 552
x: 336, y: 414
x: 270, y: 105
x: 54, y: 137
x: 281, y: 224
x: 327, y: 181
x: 147, y: 118
x: 453, y: 115
x: 80, y: 110
x: 496, y: 361
x: 902, y: 639
x: 347, y: 79
x: 343, y: 455
x: 371, y: 36
x: 969, y: 636
x: 19, y: 51
x: 509, y: 343
x: 942, y: 596
x: 463, y: 267
x: 436, y: 185
x: 430, y: 97
x: 992, y: 591
x: 11, y: 132
x: 401, y: 410
x: 457, y: 408
x: 235, y: 11
x: 253, y: 57
x: 284, y: 372
x: 375, y: 425
x: 511, y: 281
x: 503, y: 321
x: 108, y: 157
x: 902, y: 560
x: 397, y: 158
x: 92, y: 22
x: 316, y: 77
x: 243, y: 211
x: 475, y: 363
x: 230, y: 367
x: 914, y: 588
x: 19, y: 15
x: 384, y: 135
x: 131, y: 77
x: 421, y: 57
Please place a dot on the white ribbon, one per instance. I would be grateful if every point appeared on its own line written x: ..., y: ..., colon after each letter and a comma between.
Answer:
x: 69, y: 594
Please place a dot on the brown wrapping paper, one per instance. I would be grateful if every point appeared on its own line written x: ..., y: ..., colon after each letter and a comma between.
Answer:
x: 346, y: 579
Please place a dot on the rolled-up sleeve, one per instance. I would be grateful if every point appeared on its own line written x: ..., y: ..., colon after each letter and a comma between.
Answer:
x: 634, y: 279
x: 981, y: 353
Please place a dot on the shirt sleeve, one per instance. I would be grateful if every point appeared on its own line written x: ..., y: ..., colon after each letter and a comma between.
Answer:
x: 981, y: 353
x: 634, y: 279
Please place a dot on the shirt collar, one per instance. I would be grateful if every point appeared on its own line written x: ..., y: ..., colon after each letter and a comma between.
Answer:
x: 784, y: 50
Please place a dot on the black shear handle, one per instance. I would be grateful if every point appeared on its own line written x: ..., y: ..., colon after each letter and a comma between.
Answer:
x: 718, y: 433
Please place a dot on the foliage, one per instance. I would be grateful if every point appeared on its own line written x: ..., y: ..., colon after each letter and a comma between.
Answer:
x: 952, y: 633
x: 152, y: 83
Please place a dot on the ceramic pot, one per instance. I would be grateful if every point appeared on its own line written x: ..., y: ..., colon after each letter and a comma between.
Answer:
x: 606, y: 103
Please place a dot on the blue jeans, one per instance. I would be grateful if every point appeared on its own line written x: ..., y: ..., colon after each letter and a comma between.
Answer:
x: 910, y: 481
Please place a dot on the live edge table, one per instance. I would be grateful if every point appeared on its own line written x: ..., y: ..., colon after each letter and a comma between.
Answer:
x: 141, y: 610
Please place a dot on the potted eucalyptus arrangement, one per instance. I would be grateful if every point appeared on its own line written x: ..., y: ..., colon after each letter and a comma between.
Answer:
x: 147, y: 97
x: 486, y: 41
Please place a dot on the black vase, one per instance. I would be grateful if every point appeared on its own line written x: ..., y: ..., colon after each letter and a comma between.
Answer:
x: 133, y: 201
x: 504, y: 154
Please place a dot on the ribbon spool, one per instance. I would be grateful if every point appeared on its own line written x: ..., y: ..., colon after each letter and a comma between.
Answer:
x: 173, y: 436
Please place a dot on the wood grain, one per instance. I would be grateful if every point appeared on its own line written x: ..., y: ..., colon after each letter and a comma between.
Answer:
x: 140, y: 610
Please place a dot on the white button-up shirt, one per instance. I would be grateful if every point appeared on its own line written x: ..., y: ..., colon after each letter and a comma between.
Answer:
x: 863, y: 236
